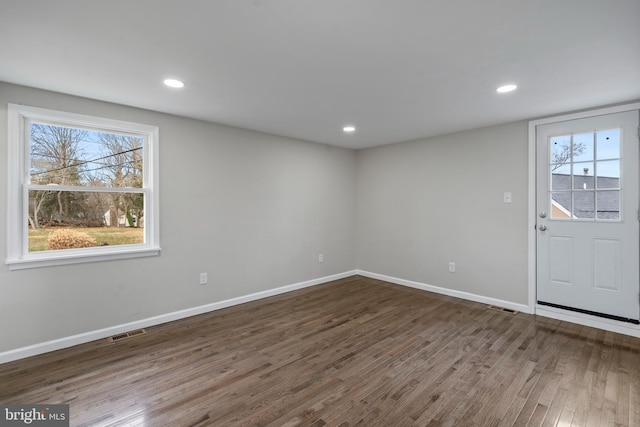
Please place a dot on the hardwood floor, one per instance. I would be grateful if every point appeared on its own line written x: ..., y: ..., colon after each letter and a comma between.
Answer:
x: 355, y: 352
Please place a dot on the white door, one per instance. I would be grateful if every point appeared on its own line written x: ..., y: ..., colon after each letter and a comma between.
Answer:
x: 587, y: 206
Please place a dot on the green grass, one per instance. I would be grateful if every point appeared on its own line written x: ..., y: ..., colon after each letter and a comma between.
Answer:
x: 102, y: 235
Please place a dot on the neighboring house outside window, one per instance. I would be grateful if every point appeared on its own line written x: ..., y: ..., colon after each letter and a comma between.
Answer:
x: 81, y: 188
x: 585, y: 176
x: 580, y: 204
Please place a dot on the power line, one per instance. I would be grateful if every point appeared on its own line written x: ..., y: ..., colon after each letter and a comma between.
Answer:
x: 129, y: 162
x: 51, y: 156
x: 86, y: 161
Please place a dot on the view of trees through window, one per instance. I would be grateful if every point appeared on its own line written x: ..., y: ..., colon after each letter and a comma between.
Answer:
x: 87, y: 181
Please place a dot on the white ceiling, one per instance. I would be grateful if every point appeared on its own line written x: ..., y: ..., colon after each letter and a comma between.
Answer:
x: 396, y: 69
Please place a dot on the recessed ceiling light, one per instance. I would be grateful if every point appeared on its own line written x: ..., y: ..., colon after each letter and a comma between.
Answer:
x: 506, y: 88
x: 349, y: 128
x: 173, y: 83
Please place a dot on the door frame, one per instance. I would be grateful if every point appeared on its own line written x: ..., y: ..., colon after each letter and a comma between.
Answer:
x: 555, y: 313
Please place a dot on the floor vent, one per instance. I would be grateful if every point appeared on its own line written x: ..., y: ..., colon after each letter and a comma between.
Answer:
x: 127, y: 335
x: 502, y: 309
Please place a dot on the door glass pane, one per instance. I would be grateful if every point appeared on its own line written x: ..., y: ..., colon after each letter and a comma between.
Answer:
x: 561, y: 205
x: 583, y: 178
x: 584, y: 204
x: 560, y: 148
x: 608, y: 174
x: 582, y: 147
x: 561, y: 177
x: 581, y: 164
x: 608, y: 204
x: 608, y: 144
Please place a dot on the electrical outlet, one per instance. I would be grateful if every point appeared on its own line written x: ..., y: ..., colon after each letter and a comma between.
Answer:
x: 321, y: 258
x: 452, y: 267
x: 203, y: 278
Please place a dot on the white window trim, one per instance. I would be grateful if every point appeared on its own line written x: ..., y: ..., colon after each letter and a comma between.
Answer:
x: 18, y: 256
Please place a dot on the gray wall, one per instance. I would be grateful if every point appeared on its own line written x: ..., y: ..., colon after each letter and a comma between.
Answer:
x: 252, y: 210
x: 421, y: 204
x: 255, y: 210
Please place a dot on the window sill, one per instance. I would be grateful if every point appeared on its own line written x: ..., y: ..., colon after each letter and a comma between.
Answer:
x: 50, y: 259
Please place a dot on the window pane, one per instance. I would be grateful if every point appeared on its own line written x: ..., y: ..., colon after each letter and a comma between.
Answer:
x: 84, y: 219
x: 608, y: 143
x: 608, y: 204
x: 70, y: 156
x: 582, y: 147
x: 584, y: 204
x: 561, y: 205
x: 608, y: 174
x: 560, y: 147
x: 583, y: 167
x: 583, y: 178
x: 561, y: 177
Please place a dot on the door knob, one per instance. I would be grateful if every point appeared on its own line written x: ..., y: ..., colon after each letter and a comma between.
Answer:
x: 543, y: 214
x: 542, y: 227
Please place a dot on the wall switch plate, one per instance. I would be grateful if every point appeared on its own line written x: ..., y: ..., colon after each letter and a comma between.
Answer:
x: 452, y: 267
x: 507, y: 197
x: 321, y: 258
x: 203, y: 278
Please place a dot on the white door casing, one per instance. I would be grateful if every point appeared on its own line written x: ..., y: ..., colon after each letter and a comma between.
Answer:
x: 587, y: 249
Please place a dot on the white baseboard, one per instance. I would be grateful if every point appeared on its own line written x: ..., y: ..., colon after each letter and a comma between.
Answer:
x: 582, y: 319
x: 450, y: 292
x: 45, y: 347
x: 588, y: 320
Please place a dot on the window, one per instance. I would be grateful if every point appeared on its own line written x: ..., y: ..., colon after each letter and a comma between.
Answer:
x: 585, y: 176
x: 81, y: 188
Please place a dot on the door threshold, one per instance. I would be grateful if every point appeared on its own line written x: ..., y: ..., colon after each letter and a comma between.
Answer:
x: 602, y: 323
x: 592, y: 313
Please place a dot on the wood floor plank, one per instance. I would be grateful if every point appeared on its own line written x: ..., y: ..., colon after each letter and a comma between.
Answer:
x: 354, y: 352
